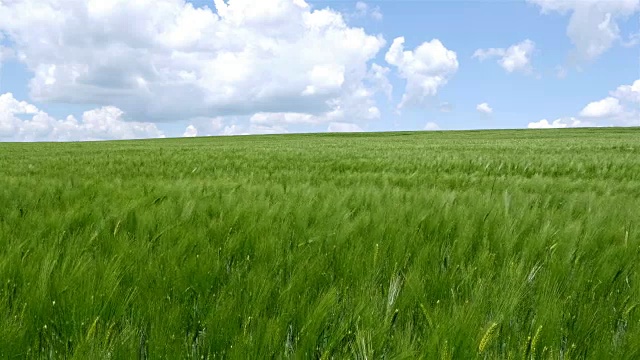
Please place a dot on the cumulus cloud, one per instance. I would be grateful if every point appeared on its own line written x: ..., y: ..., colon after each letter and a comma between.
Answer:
x: 104, y: 123
x: 231, y: 130
x: 607, y: 107
x: 220, y: 127
x: 618, y: 109
x: 286, y: 118
x: 341, y: 109
x: 266, y: 129
x: 514, y: 58
x: 343, y: 127
x: 190, y: 131
x: 379, y: 76
x: 431, y: 126
x: 204, y: 127
x: 484, y: 108
x: 630, y: 93
x: 593, y: 26
x: 252, y: 129
x: 426, y: 69
x: 557, y: 124
x: 364, y: 10
x: 168, y: 60
x: 624, y: 109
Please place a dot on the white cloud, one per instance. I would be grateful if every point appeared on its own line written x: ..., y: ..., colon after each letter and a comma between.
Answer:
x: 190, y: 131
x: 266, y: 129
x: 104, y: 123
x: 431, y: 126
x: 343, y: 127
x: 593, y: 27
x: 484, y: 108
x: 378, y: 75
x: 357, y: 106
x: 514, y: 58
x: 426, y: 69
x: 204, y: 127
x: 364, y: 10
x: 556, y: 124
x: 234, y: 129
x: 607, y: 107
x: 324, y: 79
x: 168, y: 60
x: 220, y: 126
x: 618, y: 109
x: 286, y: 119
x: 629, y: 93
x: 253, y: 129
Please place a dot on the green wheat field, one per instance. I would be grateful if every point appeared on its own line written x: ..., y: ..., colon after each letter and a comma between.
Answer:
x: 513, y: 244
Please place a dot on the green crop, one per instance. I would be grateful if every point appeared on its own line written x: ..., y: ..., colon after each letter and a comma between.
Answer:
x: 440, y: 245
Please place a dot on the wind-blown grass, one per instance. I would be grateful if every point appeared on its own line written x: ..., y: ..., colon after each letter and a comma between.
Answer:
x: 493, y: 244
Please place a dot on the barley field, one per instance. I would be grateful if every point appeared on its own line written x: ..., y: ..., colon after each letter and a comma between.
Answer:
x: 512, y: 244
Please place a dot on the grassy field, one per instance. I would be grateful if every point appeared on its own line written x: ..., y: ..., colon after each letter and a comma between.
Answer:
x: 440, y: 245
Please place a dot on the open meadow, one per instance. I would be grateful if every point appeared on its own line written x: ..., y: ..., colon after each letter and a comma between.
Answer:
x: 437, y: 245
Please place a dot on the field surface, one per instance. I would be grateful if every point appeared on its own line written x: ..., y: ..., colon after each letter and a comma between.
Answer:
x: 440, y: 245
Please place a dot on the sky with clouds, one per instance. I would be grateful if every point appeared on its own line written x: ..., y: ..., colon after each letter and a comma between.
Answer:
x: 123, y: 69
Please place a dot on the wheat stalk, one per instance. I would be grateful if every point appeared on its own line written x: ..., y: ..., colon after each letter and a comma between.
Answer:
x: 488, y: 337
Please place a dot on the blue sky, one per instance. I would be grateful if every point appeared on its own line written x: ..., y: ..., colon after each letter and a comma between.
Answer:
x: 137, y: 69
